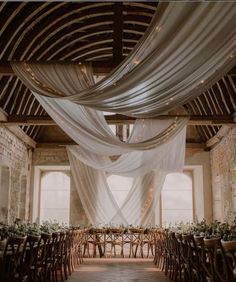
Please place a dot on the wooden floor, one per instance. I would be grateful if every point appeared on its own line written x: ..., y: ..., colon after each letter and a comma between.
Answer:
x: 117, y: 270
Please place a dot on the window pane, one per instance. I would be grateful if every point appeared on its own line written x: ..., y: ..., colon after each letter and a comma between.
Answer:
x: 60, y: 215
x: 177, y: 198
x: 172, y: 216
x: 178, y: 181
x: 55, y: 199
x: 55, y: 196
x: 55, y: 180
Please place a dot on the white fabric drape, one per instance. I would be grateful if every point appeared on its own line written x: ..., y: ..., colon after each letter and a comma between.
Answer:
x: 167, y: 156
x: 94, y: 193
x: 142, y: 200
x: 154, y: 148
x: 154, y: 144
x: 148, y: 168
x: 100, y: 205
x: 166, y: 68
x: 83, y: 124
x: 188, y: 47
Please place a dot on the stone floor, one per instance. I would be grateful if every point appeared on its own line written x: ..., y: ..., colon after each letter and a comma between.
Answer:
x: 117, y: 270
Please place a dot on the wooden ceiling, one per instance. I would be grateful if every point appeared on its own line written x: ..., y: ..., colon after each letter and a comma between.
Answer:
x: 101, y: 32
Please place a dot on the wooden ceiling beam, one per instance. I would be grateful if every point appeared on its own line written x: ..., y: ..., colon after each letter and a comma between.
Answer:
x: 99, y: 67
x: 16, y: 130
x: 202, y: 120
x: 189, y: 145
x: 118, y: 34
x: 218, y: 136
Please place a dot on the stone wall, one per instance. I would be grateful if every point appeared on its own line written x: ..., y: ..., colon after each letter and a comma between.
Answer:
x: 50, y: 156
x: 15, y: 163
x: 223, y: 163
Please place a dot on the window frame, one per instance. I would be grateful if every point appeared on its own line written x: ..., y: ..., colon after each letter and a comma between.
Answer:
x: 197, y: 194
x: 193, y: 209
x: 36, y: 191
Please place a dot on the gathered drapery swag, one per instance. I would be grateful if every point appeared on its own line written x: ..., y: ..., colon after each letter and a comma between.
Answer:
x: 99, y: 203
x: 92, y: 125
x: 186, y: 49
x: 148, y: 169
x: 166, y: 157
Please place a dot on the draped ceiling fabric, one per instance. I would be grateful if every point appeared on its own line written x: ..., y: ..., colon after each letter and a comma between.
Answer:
x: 148, y: 169
x: 83, y: 124
x: 187, y: 48
x: 168, y: 156
x: 154, y: 148
x: 100, y: 205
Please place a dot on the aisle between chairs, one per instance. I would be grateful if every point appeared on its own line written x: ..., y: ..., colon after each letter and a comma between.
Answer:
x: 117, y: 270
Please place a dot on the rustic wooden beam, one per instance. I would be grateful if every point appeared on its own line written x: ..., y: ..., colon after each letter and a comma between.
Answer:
x: 224, y: 130
x: 21, y: 135
x: 118, y: 33
x: 16, y: 130
x: 99, y: 67
x: 189, y: 145
x: 121, y: 119
x: 30, y: 120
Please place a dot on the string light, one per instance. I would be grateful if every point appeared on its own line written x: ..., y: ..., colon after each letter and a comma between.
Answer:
x: 136, y: 62
x: 38, y: 82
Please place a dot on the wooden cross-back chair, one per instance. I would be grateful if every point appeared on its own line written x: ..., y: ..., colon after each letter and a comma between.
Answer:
x: 136, y: 241
x: 12, y: 258
x: 117, y: 240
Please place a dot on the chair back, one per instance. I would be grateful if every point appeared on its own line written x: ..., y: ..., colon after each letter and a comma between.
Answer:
x: 12, y: 258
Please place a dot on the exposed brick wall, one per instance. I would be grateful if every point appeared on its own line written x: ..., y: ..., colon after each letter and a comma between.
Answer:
x: 223, y: 164
x: 15, y: 164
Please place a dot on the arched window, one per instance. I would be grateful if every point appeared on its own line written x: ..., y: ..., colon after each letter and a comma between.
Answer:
x: 55, y: 196
x: 177, y: 198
